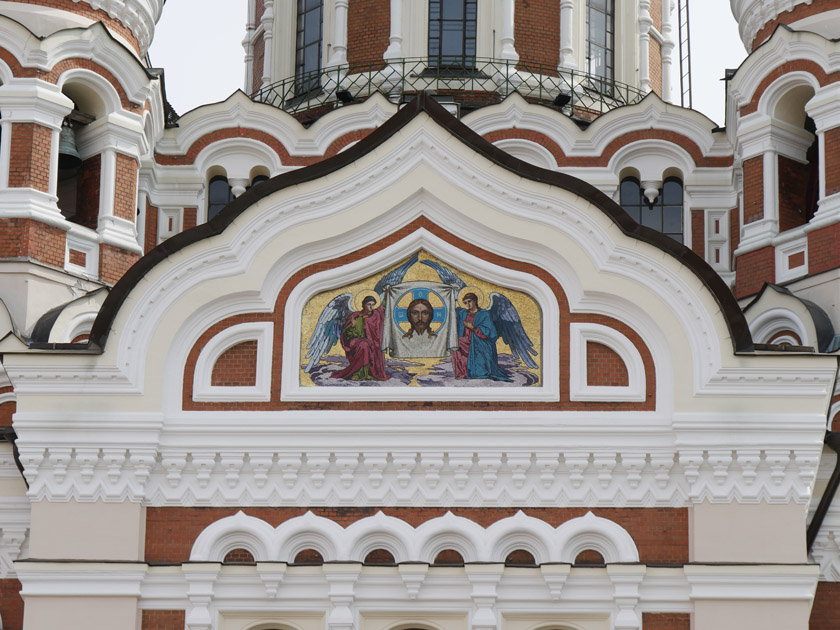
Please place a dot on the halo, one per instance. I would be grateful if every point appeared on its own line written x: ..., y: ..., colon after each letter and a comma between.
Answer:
x: 478, y: 293
x: 360, y: 298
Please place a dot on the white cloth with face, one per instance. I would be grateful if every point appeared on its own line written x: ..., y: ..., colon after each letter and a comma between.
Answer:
x: 406, y: 342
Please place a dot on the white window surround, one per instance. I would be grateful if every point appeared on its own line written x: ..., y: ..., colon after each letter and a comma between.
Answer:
x: 776, y: 320
x: 204, y: 391
x: 580, y: 334
x: 784, y: 251
x: 548, y: 544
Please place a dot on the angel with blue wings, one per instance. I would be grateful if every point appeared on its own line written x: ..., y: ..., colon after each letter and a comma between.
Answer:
x: 472, y: 331
x: 478, y: 329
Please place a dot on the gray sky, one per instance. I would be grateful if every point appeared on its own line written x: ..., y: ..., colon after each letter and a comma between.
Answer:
x: 199, y: 43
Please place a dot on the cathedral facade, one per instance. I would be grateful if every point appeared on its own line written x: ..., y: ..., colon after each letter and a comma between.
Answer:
x: 451, y: 319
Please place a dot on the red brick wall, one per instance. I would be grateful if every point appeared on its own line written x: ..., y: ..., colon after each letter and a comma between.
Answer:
x: 237, y: 367
x: 666, y: 621
x: 190, y: 220
x: 753, y: 189
x: 824, y: 249
x: 125, y: 189
x: 76, y: 257
x: 753, y: 270
x: 797, y: 13
x: 832, y: 161
x: 87, y: 192
x: 114, y: 262
x: 11, y: 604
x: 239, y: 556
x: 661, y: 534
x: 6, y: 409
x: 604, y: 368
x: 698, y: 233
x: 258, y: 64
x: 793, y: 191
x: 29, y: 158
x: 150, y: 237
x: 163, y: 620
x: 368, y: 33
x: 259, y: 9
x: 824, y: 611
x: 734, y: 234
x: 655, y: 59
x: 24, y: 238
x: 536, y: 33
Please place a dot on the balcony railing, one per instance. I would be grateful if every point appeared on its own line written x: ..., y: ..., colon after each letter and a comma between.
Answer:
x: 472, y: 82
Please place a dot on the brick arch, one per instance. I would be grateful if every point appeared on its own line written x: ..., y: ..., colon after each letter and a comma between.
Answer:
x: 278, y: 314
x: 799, y: 12
x: 796, y: 65
x: 603, y: 159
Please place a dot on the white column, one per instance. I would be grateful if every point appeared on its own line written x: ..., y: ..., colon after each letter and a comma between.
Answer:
x: 508, y: 51
x: 5, y: 151
x: 55, y: 136
x: 567, y: 51
x: 394, y: 50
x: 645, y: 22
x: 339, y: 53
x: 771, y: 190
x: 107, y: 184
x: 668, y: 47
x: 268, y: 42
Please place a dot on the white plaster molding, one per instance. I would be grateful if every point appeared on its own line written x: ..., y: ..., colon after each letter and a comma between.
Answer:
x: 776, y: 320
x: 528, y: 151
x: 420, y: 544
x: 581, y: 334
x: 260, y: 332
x: 53, y: 579
x: 14, y: 532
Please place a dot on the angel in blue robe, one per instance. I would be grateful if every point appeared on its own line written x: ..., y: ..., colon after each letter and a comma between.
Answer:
x: 476, y: 356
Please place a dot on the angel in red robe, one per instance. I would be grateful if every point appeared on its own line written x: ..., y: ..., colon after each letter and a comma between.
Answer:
x: 361, y: 338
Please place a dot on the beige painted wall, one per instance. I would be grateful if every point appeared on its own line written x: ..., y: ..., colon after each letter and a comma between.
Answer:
x: 750, y: 615
x: 81, y: 613
x: 89, y: 531
x: 737, y: 532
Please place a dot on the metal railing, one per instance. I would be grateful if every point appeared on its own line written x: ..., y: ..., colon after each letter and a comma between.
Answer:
x: 472, y: 82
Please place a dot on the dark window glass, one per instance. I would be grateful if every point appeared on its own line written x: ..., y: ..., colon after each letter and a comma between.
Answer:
x: 308, y: 48
x: 664, y: 215
x: 259, y: 179
x: 600, y: 28
x: 452, y: 33
x: 218, y: 196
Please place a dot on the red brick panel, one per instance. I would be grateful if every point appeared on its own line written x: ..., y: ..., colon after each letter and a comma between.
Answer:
x: 163, y: 620
x: 796, y: 260
x: 734, y: 233
x: 25, y: 238
x: 835, y: 421
x: 666, y: 621
x: 258, y: 64
x: 824, y: 249
x: 795, y: 14
x: 753, y: 189
x: 125, y: 188
x: 655, y: 62
x: 151, y: 228
x: 698, y: 232
x: 793, y: 192
x: 11, y: 605
x: 87, y: 192
x: 239, y: 556
x: 77, y: 258
x: 368, y: 33
x: 190, y: 220
x: 785, y: 333
x: 7, y: 409
x: 831, y: 139
x: 753, y: 270
x: 661, y: 534
x: 29, y: 156
x: 237, y: 367
x: 114, y: 262
x: 604, y: 368
x: 536, y: 32
x: 824, y: 611
x: 259, y: 9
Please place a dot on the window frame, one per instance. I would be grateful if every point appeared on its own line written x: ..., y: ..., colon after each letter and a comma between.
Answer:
x: 603, y: 82
x: 308, y: 80
x: 637, y: 210
x: 436, y: 36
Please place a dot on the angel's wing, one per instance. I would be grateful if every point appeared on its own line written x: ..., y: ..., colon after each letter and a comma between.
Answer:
x: 506, y: 319
x: 396, y: 276
x: 447, y: 276
x: 328, y: 329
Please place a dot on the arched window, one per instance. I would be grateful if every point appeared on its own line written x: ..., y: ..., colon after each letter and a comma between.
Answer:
x: 600, y: 42
x: 452, y: 33
x: 664, y: 215
x: 218, y: 195
x: 310, y: 19
x: 259, y: 179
